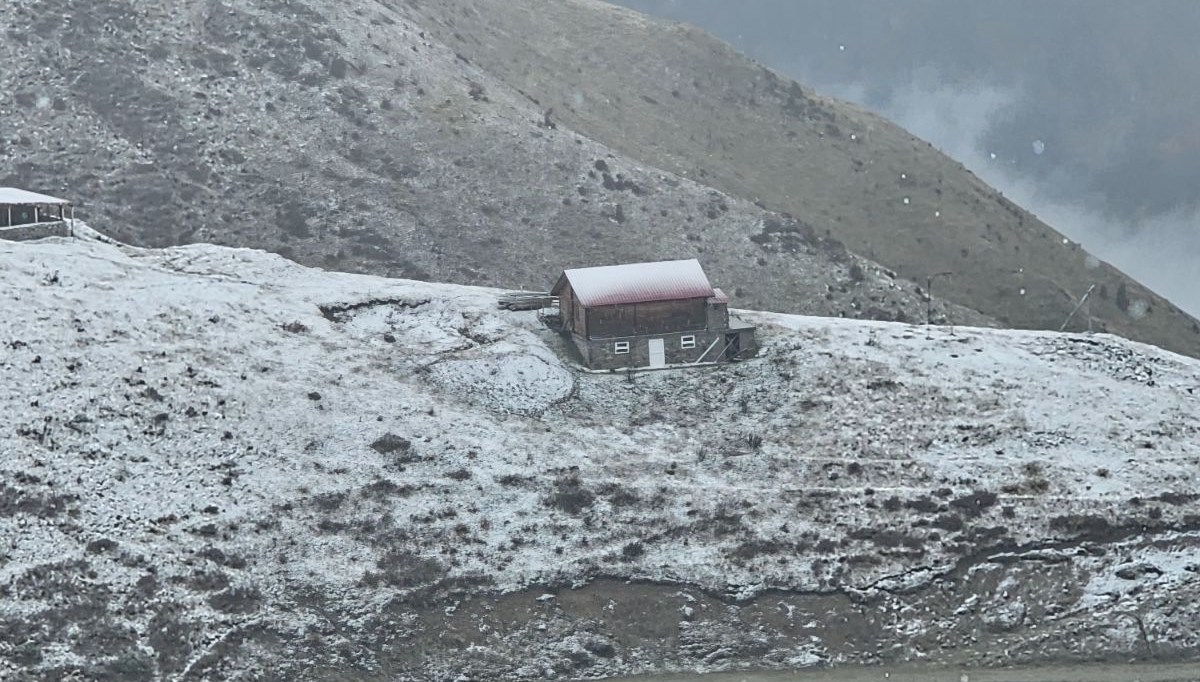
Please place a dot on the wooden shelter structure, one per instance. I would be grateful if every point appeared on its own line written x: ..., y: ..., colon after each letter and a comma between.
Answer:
x: 22, y: 207
x: 29, y: 215
x: 649, y: 315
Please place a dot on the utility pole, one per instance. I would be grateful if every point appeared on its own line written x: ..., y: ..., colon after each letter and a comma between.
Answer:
x: 1077, y: 307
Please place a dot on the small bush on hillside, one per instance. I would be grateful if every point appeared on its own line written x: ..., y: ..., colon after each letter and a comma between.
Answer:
x: 975, y: 503
x: 382, y: 489
x: 570, y: 495
x: 236, y: 600
x: 402, y: 569
x: 1035, y: 480
x: 390, y: 444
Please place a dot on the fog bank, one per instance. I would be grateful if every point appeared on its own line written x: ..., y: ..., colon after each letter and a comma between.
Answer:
x: 1079, y: 111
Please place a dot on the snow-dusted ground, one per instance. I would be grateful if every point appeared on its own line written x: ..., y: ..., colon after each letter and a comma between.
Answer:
x: 210, y: 439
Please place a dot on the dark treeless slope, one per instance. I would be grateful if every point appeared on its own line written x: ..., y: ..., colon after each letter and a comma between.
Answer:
x: 342, y: 134
x: 675, y: 96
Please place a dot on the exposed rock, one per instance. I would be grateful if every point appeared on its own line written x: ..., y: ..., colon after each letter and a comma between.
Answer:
x: 1139, y: 570
x: 1005, y: 616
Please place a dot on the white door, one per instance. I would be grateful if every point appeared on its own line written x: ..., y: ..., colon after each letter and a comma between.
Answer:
x: 658, y: 353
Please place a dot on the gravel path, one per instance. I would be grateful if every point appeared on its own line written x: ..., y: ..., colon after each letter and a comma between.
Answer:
x: 1175, y: 672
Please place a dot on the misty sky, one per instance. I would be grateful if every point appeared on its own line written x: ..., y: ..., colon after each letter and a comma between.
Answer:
x: 1087, y: 112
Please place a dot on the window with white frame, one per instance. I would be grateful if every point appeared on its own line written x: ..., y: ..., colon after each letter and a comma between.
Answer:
x: 621, y: 347
x: 687, y: 342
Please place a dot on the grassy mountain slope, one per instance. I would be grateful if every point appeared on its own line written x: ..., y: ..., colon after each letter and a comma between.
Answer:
x: 674, y: 96
x: 346, y: 136
x: 218, y: 464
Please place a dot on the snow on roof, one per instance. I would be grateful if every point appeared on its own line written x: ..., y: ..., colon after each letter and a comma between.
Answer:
x: 12, y: 195
x: 639, y: 282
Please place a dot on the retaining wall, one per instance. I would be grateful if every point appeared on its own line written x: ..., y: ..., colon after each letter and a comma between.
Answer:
x: 24, y: 233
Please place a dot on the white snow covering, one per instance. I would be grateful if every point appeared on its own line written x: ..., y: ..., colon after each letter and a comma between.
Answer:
x: 233, y: 396
x: 639, y: 282
x: 12, y: 195
x: 1161, y: 568
x: 521, y: 381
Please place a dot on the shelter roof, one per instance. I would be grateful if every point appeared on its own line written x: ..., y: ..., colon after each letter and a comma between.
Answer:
x: 638, y: 282
x: 12, y: 195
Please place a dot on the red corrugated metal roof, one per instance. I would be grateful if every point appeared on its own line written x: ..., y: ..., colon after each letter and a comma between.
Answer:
x: 639, y: 282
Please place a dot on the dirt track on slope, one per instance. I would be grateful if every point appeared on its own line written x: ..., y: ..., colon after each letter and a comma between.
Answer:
x: 1188, y: 672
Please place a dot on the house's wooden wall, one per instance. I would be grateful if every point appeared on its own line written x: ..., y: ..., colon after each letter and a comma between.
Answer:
x: 718, y: 315
x: 566, y: 310
x: 573, y: 316
x: 659, y: 317
x: 580, y: 316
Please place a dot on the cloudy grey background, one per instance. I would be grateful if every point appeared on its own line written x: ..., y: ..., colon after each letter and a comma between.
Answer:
x: 1087, y: 112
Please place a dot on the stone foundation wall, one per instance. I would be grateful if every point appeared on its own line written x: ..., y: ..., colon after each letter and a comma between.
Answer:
x: 601, y: 354
x: 24, y: 233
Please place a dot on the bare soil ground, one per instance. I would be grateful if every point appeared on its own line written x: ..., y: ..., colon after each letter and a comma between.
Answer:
x: 1084, y: 672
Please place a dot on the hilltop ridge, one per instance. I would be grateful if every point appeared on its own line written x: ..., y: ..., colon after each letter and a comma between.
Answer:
x: 450, y: 140
x: 218, y: 462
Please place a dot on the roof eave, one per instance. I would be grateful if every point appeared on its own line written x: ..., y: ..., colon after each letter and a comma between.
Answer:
x: 14, y: 196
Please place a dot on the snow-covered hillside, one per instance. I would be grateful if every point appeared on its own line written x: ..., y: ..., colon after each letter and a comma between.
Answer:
x: 209, y: 451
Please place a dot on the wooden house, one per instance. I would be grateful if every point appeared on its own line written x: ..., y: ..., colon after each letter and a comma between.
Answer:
x: 647, y: 315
